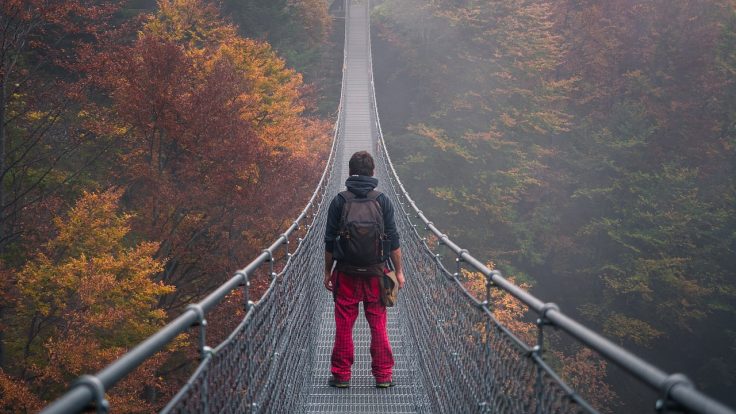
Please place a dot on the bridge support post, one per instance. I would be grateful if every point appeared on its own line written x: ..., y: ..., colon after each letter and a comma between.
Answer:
x: 286, y: 245
x: 271, y: 273
x: 204, y: 350
x: 538, y: 351
x: 247, y: 304
x: 489, y: 289
x: 459, y: 262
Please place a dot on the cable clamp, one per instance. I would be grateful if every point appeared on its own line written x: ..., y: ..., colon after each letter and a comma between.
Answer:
x: 489, y: 278
x: 666, y: 403
x: 543, y: 313
x: 197, y: 308
x: 535, y: 350
x: 97, y: 388
x: 270, y: 255
x: 244, y: 276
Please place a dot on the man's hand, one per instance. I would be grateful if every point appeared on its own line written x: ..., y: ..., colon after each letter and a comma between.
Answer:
x: 328, y: 281
x: 400, y: 278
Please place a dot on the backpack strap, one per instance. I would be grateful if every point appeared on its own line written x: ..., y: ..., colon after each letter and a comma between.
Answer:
x: 373, y: 194
x: 346, y: 195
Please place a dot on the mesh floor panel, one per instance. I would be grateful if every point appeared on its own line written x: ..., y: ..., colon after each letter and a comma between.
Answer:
x: 362, y: 396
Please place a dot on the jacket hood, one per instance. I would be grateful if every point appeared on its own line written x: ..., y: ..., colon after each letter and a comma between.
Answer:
x: 361, y: 185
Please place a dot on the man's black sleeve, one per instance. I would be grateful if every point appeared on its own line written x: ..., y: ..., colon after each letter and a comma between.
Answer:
x: 333, y: 223
x: 389, y: 225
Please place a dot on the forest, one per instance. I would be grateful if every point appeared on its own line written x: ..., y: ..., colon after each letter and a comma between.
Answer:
x: 592, y: 151
x: 147, y: 149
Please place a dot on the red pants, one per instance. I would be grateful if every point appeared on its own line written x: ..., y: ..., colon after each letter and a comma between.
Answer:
x: 349, y: 291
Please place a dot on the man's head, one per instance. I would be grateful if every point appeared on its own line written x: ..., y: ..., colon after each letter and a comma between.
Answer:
x: 361, y: 163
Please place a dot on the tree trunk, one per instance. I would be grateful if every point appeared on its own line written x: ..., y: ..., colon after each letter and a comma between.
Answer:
x: 3, y: 101
x: 2, y: 340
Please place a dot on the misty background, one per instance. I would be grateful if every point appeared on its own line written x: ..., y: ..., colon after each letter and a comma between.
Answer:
x: 584, y: 147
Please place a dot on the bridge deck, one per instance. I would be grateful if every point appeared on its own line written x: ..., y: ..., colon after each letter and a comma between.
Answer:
x: 359, y: 134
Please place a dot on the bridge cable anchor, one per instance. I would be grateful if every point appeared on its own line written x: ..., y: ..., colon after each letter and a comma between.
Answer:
x: 204, y: 350
x: 97, y: 388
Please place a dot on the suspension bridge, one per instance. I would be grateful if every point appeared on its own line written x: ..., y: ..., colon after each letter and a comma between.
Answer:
x: 452, y: 354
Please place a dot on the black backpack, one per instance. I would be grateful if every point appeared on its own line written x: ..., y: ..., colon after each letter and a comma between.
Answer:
x: 361, y: 236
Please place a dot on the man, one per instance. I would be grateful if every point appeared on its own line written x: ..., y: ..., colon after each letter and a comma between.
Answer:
x: 350, y: 287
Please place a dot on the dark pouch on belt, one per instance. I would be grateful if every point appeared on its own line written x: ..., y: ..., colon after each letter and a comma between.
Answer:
x: 389, y: 289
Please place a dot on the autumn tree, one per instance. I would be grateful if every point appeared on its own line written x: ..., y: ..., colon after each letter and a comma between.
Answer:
x: 44, y: 148
x: 294, y: 27
x: 652, y: 183
x: 496, y: 116
x: 39, y: 74
x: 205, y: 133
x: 580, y: 367
x: 86, y: 297
x: 215, y: 143
x: 598, y: 140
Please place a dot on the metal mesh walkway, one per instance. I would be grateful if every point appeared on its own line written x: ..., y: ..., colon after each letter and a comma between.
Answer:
x: 362, y: 396
x: 360, y: 134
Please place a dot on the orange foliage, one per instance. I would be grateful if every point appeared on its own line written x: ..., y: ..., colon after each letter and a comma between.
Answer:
x: 585, y: 372
x: 314, y: 17
x: 16, y: 397
x: 212, y: 152
x: 85, y: 298
x: 216, y: 146
x: 508, y: 310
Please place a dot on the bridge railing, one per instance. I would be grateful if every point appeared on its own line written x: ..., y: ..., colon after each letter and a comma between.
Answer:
x: 677, y: 392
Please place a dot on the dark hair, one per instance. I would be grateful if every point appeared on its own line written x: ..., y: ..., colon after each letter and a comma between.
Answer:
x: 361, y: 163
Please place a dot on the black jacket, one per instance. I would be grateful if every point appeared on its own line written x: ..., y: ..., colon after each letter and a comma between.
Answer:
x: 360, y: 185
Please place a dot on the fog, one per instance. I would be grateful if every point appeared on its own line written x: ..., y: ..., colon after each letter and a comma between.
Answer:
x: 587, y: 148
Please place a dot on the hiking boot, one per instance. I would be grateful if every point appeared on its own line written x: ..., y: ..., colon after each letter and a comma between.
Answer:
x: 334, y: 382
x: 384, y: 384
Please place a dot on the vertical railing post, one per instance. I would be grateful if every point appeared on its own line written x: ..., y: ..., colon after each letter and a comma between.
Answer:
x: 425, y: 239
x: 204, y: 351
x: 286, y: 245
x: 247, y: 304
x: 459, y: 263
x: 488, y: 348
x: 271, y: 273
x: 489, y: 289
x: 538, y: 351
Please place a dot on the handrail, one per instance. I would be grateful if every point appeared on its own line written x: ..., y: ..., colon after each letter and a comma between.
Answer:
x: 91, y: 388
x: 674, y: 388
